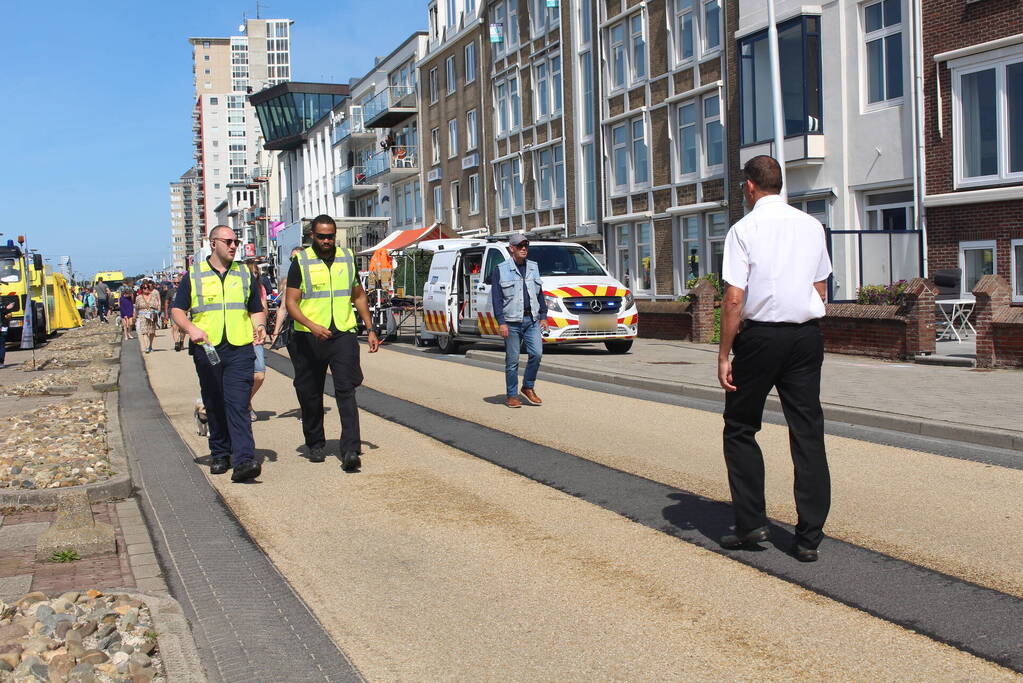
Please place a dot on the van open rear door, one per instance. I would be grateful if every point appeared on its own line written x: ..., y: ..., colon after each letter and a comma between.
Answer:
x: 439, y: 294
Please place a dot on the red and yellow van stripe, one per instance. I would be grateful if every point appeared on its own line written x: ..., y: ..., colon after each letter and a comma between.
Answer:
x: 488, y: 324
x: 586, y: 290
x: 435, y: 321
x: 628, y: 320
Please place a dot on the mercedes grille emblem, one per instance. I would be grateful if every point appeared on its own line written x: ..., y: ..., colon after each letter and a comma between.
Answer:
x: 596, y: 306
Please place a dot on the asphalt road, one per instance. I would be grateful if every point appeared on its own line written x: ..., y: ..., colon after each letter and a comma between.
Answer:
x: 576, y: 540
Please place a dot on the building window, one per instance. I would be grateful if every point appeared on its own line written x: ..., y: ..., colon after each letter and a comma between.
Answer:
x: 555, y: 85
x: 435, y: 145
x: 711, y: 25
x: 471, y: 130
x: 456, y: 203
x: 882, y: 29
x: 214, y: 101
x: 988, y: 119
x: 434, y: 26
x: 506, y: 14
x: 627, y: 52
x: 452, y: 138
x: 1016, y: 263
x: 687, y: 134
x: 633, y: 256
x: 470, y: 9
x: 509, y: 187
x: 976, y: 259
x: 438, y: 203
x: 589, y: 181
x: 474, y: 193
x: 630, y: 160
x: 508, y: 109
x: 713, y: 132
x: 452, y: 77
x: 696, y: 29
x: 545, y: 17
x: 685, y: 31
x: 433, y: 86
x: 547, y: 86
x: 696, y: 236
x: 452, y: 12
x: 700, y: 136
x: 550, y: 174
x: 470, y: 62
x: 816, y: 208
x: 800, y: 59
x: 890, y: 211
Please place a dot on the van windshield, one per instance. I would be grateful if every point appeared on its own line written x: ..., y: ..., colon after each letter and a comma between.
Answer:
x: 558, y: 260
x: 9, y: 270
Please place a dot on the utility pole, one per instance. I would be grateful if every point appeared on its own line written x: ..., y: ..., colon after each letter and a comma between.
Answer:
x: 779, y: 114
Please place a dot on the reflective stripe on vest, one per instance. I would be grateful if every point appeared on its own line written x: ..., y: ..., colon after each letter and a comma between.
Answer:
x: 333, y: 300
x: 212, y: 313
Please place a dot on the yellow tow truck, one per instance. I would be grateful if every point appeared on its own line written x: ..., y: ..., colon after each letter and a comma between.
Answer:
x: 53, y: 304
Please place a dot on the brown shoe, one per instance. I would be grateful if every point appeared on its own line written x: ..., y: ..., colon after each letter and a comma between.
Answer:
x: 532, y: 397
x: 513, y: 402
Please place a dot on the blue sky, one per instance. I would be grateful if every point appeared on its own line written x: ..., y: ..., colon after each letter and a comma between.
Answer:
x: 99, y: 110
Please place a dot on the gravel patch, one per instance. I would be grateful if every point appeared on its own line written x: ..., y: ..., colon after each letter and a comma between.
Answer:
x: 85, y: 636
x: 40, y: 386
x: 58, y: 445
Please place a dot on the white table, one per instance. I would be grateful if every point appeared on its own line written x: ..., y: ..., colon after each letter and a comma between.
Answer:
x: 956, y: 313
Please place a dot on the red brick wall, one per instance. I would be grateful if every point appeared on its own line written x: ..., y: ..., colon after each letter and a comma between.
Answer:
x: 949, y: 25
x: 664, y: 320
x: 864, y: 330
x: 947, y: 226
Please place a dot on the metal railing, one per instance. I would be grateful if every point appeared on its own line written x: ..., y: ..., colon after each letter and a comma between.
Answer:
x: 872, y: 257
x: 388, y: 98
x: 349, y: 178
x: 350, y: 126
x: 400, y: 157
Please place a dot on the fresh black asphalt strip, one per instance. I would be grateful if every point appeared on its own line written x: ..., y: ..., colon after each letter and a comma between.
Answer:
x: 979, y: 620
x: 248, y: 623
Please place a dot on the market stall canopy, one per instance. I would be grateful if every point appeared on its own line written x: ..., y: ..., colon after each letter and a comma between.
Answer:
x: 402, y: 239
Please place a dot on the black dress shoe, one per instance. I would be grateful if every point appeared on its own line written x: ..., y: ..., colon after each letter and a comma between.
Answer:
x: 220, y: 465
x: 318, y: 454
x: 350, y: 461
x: 803, y: 554
x: 249, y: 469
x: 745, y: 540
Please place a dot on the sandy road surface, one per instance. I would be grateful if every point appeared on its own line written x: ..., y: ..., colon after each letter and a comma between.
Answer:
x: 431, y: 564
x: 937, y: 512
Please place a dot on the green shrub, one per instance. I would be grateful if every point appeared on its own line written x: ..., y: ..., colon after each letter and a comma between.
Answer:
x: 883, y: 295
x: 411, y: 271
x: 712, y: 278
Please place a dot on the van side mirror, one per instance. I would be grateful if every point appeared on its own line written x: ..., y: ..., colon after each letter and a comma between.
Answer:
x: 37, y: 261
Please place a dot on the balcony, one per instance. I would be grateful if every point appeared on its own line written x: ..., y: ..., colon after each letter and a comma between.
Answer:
x: 260, y: 175
x: 352, y: 126
x: 800, y: 150
x: 391, y: 106
x: 353, y: 181
x: 399, y: 161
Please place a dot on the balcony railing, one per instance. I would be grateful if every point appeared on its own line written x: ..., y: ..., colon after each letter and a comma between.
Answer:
x: 391, y: 105
x: 393, y: 159
x: 353, y: 125
x: 260, y: 174
x: 350, y: 178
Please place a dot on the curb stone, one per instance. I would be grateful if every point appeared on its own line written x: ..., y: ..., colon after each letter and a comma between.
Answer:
x: 117, y: 487
x: 982, y: 436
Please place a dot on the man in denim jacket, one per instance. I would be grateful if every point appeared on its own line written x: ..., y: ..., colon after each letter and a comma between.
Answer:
x: 521, y: 311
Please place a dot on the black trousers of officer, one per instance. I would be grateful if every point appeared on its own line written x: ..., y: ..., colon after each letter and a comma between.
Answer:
x: 311, y: 357
x: 788, y: 357
x: 226, y: 388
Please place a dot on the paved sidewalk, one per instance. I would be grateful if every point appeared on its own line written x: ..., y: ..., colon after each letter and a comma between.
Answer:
x: 967, y: 404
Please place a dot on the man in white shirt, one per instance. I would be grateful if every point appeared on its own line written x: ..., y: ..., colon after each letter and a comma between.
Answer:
x: 776, y: 267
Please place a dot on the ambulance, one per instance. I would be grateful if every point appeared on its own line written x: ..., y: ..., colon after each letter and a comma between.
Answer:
x: 584, y: 303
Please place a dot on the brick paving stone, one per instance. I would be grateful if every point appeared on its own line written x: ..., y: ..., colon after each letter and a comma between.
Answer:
x: 13, y: 587
x: 248, y: 629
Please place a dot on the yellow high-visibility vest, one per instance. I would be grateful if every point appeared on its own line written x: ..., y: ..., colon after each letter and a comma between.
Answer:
x: 327, y: 292
x: 217, y: 304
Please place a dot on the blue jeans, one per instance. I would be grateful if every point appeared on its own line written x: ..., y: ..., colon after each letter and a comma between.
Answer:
x: 529, y: 331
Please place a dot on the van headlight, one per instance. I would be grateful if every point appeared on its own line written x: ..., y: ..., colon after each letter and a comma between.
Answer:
x: 554, y: 304
x: 628, y: 301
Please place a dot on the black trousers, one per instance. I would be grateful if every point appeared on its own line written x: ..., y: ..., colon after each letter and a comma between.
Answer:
x: 226, y: 388
x: 311, y: 358
x: 789, y: 358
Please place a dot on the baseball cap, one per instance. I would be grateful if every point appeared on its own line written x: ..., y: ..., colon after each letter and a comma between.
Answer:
x: 517, y: 239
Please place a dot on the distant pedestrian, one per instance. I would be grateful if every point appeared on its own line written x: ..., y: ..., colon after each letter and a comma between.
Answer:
x: 5, y: 312
x: 322, y: 297
x: 165, y: 302
x: 127, y: 306
x: 177, y: 334
x: 90, y: 304
x: 147, y: 308
x: 776, y: 267
x: 259, y: 368
x: 102, y: 292
x: 521, y: 311
x: 227, y: 318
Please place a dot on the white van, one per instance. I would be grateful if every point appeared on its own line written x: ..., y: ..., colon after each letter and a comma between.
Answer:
x: 584, y: 303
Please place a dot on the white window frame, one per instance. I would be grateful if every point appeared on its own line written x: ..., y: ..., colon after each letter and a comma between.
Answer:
x: 696, y: 11
x: 705, y: 47
x: 970, y: 246
x: 869, y: 208
x: 435, y: 146
x: 508, y: 106
x: 998, y: 60
x: 630, y: 146
x: 880, y: 34
x: 508, y: 173
x: 1015, y: 264
x: 452, y: 138
x: 470, y: 61
x: 451, y: 74
x: 638, y: 38
x: 680, y: 172
x: 628, y: 47
x: 541, y: 90
x: 452, y: 12
x: 700, y: 126
x: 544, y: 18
x: 438, y: 203
x: 455, y: 194
x: 434, y: 95
x: 615, y: 260
x: 707, y: 120
x: 471, y: 130
x: 474, y: 194
x: 507, y: 13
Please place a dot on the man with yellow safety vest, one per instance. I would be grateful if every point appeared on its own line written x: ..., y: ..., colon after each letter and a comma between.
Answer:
x: 227, y: 319
x: 323, y: 286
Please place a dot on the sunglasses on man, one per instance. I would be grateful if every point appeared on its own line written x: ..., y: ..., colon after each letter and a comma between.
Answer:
x: 229, y: 242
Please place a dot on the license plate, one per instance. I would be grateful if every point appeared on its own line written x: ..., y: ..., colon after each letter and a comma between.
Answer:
x: 597, y: 323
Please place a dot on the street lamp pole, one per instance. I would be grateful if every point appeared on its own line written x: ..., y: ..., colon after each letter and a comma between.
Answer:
x: 779, y: 114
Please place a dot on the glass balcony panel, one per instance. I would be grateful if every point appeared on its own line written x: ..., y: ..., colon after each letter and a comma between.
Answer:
x: 390, y: 98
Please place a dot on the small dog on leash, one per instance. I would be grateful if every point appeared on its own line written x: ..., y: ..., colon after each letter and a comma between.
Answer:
x: 202, y: 427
